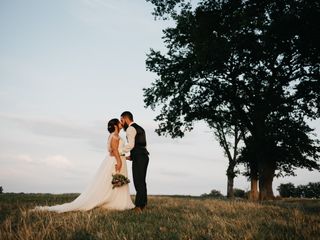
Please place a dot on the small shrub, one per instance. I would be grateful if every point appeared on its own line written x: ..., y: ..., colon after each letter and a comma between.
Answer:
x: 287, y: 190
x: 239, y: 193
x: 213, y: 194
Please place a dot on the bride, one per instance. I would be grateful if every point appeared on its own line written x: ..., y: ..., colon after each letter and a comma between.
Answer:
x: 99, y: 193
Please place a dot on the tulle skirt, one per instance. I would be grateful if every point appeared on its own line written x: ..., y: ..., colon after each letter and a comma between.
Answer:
x: 99, y: 193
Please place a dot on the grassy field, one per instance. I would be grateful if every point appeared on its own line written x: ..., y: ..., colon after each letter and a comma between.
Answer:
x: 166, y: 218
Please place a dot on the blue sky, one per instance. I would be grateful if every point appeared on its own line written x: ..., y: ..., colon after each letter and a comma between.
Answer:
x: 66, y: 68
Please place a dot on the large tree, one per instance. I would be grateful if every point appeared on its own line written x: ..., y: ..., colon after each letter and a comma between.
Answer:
x: 253, y: 61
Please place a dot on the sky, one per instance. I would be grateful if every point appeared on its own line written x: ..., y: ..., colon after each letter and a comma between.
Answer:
x: 69, y: 66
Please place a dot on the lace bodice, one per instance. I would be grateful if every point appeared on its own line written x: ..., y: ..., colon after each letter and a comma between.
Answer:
x: 121, y: 143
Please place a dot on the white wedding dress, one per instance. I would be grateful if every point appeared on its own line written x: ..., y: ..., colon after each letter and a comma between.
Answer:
x: 99, y: 193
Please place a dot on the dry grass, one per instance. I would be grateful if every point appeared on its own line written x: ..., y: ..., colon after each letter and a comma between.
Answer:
x: 165, y: 218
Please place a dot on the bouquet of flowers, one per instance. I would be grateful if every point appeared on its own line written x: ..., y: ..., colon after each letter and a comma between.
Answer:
x: 119, y: 180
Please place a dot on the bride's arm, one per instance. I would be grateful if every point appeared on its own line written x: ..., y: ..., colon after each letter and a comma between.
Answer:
x: 115, y: 152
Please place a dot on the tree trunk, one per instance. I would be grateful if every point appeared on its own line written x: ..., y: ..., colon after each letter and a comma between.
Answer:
x: 254, y: 193
x: 264, y: 165
x: 231, y: 175
x: 230, y: 192
x: 265, y: 183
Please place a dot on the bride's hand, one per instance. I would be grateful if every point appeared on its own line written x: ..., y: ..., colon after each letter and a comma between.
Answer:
x: 118, y: 167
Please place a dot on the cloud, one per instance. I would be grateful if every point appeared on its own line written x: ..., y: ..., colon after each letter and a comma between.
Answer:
x: 29, y: 173
x: 94, y: 134
x: 25, y: 160
x: 58, y: 161
x: 172, y: 173
x: 53, y: 127
x: 16, y: 159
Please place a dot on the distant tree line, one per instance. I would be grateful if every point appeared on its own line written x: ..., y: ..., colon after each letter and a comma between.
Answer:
x: 311, y: 190
x: 238, y: 193
x: 1, y: 189
x: 286, y: 190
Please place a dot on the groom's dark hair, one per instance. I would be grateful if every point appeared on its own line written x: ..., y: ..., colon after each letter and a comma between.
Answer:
x: 128, y: 115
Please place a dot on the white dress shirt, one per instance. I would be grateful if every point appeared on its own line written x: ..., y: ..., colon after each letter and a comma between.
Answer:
x: 131, y: 133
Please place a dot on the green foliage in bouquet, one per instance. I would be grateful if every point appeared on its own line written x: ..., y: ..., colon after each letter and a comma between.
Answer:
x: 119, y: 180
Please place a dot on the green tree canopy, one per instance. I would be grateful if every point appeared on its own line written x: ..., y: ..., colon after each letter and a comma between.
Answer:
x: 254, y: 63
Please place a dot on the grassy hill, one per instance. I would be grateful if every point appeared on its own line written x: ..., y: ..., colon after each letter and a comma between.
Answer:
x: 165, y: 218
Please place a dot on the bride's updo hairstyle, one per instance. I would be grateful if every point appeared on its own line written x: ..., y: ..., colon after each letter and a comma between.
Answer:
x: 112, y: 125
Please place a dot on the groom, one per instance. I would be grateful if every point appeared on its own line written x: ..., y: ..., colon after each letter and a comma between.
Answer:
x: 139, y: 155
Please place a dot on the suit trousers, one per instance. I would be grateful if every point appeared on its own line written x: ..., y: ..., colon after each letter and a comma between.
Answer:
x: 140, y: 161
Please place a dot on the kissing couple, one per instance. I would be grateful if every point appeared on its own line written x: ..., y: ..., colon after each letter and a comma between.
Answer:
x: 100, y: 192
